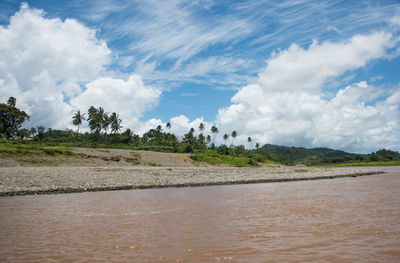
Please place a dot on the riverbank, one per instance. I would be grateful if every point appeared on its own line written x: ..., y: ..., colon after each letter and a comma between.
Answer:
x: 51, y: 180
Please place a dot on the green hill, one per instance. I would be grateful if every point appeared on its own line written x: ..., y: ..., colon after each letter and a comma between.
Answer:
x: 298, y: 153
x: 322, y: 156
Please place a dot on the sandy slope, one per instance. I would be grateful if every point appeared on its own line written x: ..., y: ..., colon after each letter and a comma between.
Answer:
x: 102, y: 157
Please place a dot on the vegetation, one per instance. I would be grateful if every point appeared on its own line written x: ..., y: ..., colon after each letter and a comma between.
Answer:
x: 7, y: 150
x: 14, y: 140
x: 11, y: 119
x: 329, y: 157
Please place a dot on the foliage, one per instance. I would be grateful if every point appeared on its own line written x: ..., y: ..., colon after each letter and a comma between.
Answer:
x: 203, y: 147
x: 224, y: 159
x: 329, y: 157
x: 115, y: 122
x: 77, y: 119
x: 32, y: 150
x: 11, y: 119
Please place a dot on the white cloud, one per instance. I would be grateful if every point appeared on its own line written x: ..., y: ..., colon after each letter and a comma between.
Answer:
x: 179, y: 125
x: 54, y: 67
x: 395, y: 20
x: 130, y: 99
x: 287, y: 105
x: 307, y: 69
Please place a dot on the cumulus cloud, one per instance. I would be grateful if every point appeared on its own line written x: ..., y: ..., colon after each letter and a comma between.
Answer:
x: 54, y: 67
x: 130, y: 99
x: 307, y: 69
x: 395, y: 20
x: 287, y: 104
x: 179, y: 125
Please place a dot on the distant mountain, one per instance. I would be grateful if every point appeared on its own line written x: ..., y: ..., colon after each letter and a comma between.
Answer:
x: 322, y: 156
x: 293, y: 154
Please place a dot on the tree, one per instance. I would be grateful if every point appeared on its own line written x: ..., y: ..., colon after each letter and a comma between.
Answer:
x: 201, y: 127
x: 208, y: 139
x: 201, y: 140
x: 11, y: 118
x: 49, y: 132
x: 168, y: 127
x: 41, y: 132
x: 127, y: 136
x: 226, y: 137
x: 257, y: 146
x: 98, y: 120
x: 115, y: 123
x: 234, y: 134
x: 33, y: 131
x: 77, y: 119
x: 12, y: 101
x: 214, y: 131
x: 249, y: 140
x: 189, y: 137
x: 94, y: 120
x: 23, y: 133
x: 106, y: 120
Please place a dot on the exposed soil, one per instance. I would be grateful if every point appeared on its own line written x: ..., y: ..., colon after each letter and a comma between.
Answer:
x: 89, y: 157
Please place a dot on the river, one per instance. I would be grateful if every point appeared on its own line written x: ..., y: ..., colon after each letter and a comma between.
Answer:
x: 338, y: 220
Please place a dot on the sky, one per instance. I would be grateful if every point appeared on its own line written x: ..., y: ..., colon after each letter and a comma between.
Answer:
x: 297, y: 73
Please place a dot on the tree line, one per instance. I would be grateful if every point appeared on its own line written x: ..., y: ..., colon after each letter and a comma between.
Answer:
x: 106, y: 129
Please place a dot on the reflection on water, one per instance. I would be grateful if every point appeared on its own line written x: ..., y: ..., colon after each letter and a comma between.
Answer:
x: 340, y: 220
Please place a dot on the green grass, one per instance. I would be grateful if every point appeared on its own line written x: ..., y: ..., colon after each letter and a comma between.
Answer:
x: 387, y: 163
x: 223, y: 159
x: 10, y: 150
x: 155, y: 164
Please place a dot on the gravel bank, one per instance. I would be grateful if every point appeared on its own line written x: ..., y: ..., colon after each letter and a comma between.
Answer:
x: 49, y: 180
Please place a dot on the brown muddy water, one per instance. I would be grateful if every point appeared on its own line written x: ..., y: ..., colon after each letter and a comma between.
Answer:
x: 339, y: 220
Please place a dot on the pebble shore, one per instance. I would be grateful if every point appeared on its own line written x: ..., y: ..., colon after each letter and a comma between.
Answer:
x: 52, y: 180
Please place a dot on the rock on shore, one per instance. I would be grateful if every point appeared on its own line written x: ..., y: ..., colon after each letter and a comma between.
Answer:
x: 47, y: 180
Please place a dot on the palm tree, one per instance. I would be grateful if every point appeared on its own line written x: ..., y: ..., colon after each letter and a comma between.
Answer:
x: 77, y: 119
x: 12, y: 101
x: 257, y: 146
x: 41, y: 132
x: 226, y: 137
x: 98, y: 120
x: 104, y: 119
x: 208, y: 139
x: 168, y: 127
x: 201, y: 127
x: 214, y: 131
x: 249, y: 140
x: 33, y: 131
x: 127, y: 136
x: 189, y: 137
x: 94, y: 120
x: 115, y: 122
x: 234, y: 134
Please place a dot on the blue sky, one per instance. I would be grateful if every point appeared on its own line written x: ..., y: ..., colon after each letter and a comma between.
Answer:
x: 298, y: 73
